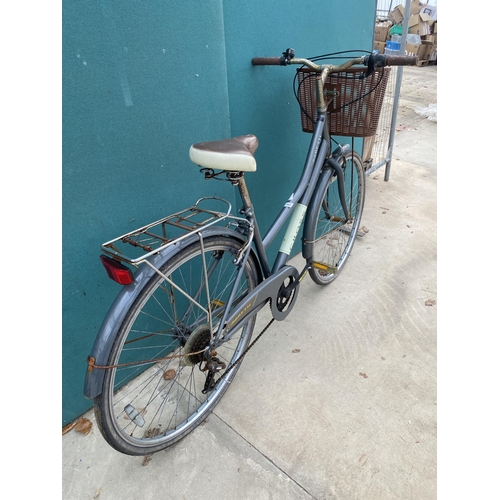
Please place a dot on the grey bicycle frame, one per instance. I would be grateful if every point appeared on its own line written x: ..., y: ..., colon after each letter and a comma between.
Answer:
x: 248, y: 306
x: 296, y: 206
x: 318, y: 149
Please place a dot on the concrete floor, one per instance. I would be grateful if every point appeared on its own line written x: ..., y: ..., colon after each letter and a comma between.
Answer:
x: 352, y: 415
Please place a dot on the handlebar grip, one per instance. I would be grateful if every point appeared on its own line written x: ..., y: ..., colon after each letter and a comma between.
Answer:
x: 267, y: 61
x: 401, y: 60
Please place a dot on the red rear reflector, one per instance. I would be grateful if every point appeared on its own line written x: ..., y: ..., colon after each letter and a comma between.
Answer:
x: 116, y: 271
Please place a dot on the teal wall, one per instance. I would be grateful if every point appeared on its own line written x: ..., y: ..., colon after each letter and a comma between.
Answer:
x: 142, y: 81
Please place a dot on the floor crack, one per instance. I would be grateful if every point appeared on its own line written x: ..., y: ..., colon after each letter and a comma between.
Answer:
x: 302, y: 488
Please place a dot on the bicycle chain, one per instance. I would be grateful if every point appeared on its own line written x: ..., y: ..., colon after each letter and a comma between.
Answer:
x: 244, y: 353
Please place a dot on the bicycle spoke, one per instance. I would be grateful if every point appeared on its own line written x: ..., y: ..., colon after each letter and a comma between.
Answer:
x: 152, y: 406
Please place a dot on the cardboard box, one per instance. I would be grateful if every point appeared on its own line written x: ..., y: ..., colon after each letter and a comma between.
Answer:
x: 429, y: 38
x: 431, y: 10
x: 422, y: 52
x: 434, y: 54
x: 420, y: 24
x: 368, y: 144
x: 413, y: 49
x: 427, y: 50
x: 381, y: 33
x: 415, y: 7
x: 380, y: 46
x: 397, y: 14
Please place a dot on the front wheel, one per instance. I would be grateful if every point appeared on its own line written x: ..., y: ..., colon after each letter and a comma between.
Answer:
x: 154, y: 389
x: 328, y: 232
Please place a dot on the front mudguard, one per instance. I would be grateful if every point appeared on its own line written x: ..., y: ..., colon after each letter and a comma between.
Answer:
x: 114, y: 318
x: 309, y: 223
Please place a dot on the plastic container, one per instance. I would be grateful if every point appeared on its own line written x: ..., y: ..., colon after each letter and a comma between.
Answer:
x: 392, y: 48
x: 410, y: 38
x: 413, y: 38
x: 396, y: 30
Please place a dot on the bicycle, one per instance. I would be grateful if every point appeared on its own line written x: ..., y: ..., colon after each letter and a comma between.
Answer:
x: 176, y: 334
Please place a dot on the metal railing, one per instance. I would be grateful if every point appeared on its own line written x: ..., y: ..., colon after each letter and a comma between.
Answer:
x: 377, y: 150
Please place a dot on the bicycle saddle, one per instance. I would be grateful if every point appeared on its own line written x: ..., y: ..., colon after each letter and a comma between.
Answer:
x: 234, y: 154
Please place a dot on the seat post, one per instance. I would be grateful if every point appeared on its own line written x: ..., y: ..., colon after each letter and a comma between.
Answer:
x: 238, y: 179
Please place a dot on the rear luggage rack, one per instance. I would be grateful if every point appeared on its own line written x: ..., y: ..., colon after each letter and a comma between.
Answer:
x: 153, y: 238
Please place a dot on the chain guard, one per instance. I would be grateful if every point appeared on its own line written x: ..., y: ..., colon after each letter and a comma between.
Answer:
x: 280, y: 305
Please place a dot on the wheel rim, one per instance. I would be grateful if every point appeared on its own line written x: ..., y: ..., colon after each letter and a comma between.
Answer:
x: 334, y: 237
x: 155, y: 404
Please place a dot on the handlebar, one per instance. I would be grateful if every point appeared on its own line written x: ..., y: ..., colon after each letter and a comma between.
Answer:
x: 267, y: 61
x: 372, y: 60
x: 396, y: 60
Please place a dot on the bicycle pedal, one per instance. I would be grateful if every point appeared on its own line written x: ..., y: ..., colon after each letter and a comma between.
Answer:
x: 359, y: 234
x: 324, y: 267
x: 217, y: 304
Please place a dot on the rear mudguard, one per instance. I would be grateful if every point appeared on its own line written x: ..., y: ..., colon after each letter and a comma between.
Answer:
x: 114, y: 318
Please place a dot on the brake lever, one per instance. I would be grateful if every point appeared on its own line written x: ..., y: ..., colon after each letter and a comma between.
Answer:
x: 287, y: 56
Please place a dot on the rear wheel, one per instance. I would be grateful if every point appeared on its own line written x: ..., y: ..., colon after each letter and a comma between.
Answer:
x: 330, y: 233
x: 149, y: 403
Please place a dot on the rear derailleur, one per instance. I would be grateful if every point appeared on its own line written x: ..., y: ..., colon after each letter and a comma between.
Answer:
x: 213, y: 365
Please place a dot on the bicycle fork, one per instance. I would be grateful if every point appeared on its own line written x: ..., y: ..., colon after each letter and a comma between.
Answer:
x: 333, y: 162
x: 339, y: 172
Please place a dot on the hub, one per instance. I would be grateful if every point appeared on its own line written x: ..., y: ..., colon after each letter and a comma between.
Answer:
x: 198, y: 340
x: 181, y: 333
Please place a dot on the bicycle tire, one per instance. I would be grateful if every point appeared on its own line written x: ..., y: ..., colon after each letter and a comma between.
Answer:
x: 331, y: 236
x: 147, y: 407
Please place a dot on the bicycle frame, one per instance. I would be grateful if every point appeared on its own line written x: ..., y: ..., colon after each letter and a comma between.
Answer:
x: 294, y: 210
x: 273, y: 281
x: 156, y: 371
x: 300, y: 198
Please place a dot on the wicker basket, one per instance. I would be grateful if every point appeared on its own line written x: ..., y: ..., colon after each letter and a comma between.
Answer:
x: 355, y: 109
